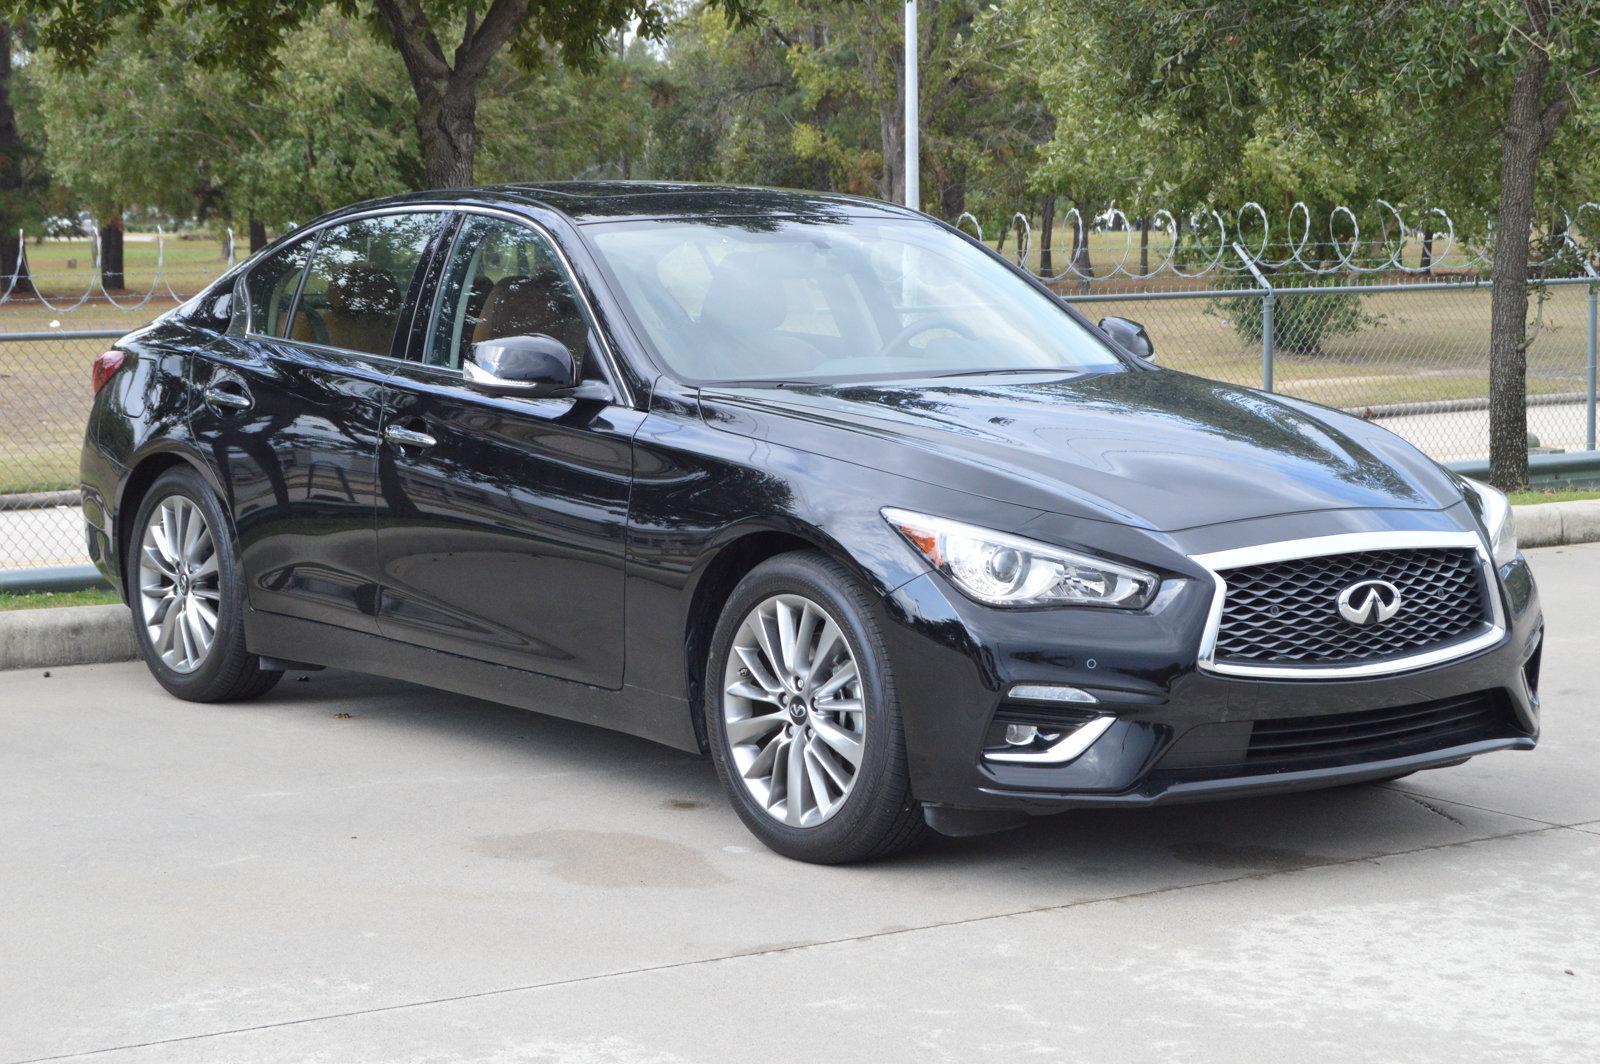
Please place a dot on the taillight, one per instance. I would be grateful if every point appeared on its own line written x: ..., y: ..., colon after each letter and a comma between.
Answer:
x: 105, y: 367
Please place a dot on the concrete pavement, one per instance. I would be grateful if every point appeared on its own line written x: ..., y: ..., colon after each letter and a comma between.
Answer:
x: 1453, y: 435
x: 48, y: 535
x: 355, y: 870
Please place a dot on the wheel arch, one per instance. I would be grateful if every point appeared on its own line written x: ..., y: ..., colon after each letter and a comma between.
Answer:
x: 141, y: 476
x: 716, y: 578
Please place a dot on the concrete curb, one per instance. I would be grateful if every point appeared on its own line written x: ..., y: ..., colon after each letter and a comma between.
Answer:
x: 1558, y: 524
x: 84, y: 635
x: 66, y: 635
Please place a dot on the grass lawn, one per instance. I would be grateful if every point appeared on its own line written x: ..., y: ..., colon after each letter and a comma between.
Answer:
x: 1529, y: 498
x: 62, y: 267
x: 42, y: 599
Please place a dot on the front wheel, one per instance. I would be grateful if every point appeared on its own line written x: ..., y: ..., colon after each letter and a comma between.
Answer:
x: 803, y: 718
x: 187, y: 599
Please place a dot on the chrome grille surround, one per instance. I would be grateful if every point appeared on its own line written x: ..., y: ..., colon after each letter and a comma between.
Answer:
x: 1485, y: 634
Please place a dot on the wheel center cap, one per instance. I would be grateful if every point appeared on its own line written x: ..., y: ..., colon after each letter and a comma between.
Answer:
x: 797, y: 710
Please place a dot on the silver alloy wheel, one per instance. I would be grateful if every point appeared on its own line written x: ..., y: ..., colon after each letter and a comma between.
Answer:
x: 793, y: 710
x: 179, y: 589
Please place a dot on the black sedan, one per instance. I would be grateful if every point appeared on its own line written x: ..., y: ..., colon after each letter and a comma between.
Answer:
x: 814, y: 484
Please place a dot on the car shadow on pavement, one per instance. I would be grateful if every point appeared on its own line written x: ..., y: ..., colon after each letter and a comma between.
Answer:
x: 675, y: 796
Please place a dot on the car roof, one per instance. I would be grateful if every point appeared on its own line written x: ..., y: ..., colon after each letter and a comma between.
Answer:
x: 596, y: 201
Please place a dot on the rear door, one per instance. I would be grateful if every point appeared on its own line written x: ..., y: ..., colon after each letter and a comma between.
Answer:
x: 502, y: 525
x: 289, y: 405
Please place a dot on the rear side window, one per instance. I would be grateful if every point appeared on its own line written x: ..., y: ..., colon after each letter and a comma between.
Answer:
x: 270, y: 287
x: 355, y: 291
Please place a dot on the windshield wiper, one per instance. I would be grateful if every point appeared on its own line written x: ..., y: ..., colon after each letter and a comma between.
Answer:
x: 996, y: 372
x: 760, y: 382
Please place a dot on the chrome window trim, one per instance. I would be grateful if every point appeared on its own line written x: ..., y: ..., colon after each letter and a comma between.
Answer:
x: 1218, y: 562
x: 610, y: 365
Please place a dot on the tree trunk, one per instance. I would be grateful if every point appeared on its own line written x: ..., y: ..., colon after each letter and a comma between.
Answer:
x: 258, y: 235
x: 1144, y: 247
x: 1508, y: 314
x: 1426, y: 263
x: 953, y: 199
x: 111, y: 274
x: 1047, y: 223
x: 891, y: 132
x: 13, y: 177
x: 447, y: 132
x: 1080, y: 244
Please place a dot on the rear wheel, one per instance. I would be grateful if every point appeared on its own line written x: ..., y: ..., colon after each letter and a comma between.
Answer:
x: 184, y: 588
x: 804, y: 723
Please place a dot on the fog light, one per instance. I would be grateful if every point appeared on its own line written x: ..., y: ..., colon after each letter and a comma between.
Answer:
x: 1021, y: 734
x: 1049, y: 692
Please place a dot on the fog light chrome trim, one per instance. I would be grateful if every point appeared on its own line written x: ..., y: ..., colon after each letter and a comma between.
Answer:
x: 1069, y: 747
x: 1049, y: 692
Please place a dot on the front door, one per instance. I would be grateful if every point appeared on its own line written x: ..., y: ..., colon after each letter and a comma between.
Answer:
x: 502, y: 521
x: 289, y: 406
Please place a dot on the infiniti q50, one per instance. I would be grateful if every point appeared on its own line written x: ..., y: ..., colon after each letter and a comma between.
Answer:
x: 813, y: 484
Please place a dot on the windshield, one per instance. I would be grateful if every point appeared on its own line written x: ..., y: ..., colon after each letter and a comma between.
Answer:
x: 853, y: 298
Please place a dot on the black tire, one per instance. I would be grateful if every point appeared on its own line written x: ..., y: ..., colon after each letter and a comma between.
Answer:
x: 228, y: 672
x: 878, y: 816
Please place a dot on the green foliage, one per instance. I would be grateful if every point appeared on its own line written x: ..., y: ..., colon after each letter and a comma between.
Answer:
x: 447, y: 46
x: 1299, y: 323
x: 1225, y: 101
x: 150, y: 126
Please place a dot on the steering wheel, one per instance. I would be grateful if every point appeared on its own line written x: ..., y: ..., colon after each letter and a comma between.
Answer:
x: 922, y: 325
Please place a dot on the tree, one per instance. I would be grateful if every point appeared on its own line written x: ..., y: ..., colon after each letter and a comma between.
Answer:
x: 848, y: 59
x: 147, y: 126
x: 725, y: 105
x: 1449, y: 75
x: 19, y: 176
x: 447, y: 46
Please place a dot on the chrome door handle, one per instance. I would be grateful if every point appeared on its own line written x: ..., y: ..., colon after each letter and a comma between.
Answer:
x: 221, y: 398
x: 407, y: 438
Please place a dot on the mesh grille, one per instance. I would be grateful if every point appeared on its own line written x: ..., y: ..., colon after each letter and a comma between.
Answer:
x: 1379, y: 733
x: 1286, y: 613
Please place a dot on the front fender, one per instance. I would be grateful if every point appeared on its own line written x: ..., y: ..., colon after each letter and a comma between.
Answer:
x: 700, y: 493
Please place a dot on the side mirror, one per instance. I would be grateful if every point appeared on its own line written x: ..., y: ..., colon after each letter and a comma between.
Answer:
x: 1130, y: 336
x: 536, y: 365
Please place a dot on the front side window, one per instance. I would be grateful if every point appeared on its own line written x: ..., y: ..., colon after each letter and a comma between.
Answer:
x: 355, y: 290
x: 504, y: 279
x: 270, y: 286
x: 840, y: 299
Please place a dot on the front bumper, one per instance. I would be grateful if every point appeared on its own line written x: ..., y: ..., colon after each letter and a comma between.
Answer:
x: 1181, y: 731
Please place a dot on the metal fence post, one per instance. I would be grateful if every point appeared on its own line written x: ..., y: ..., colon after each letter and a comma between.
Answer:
x: 1268, y: 301
x: 1267, y: 333
x: 1594, y: 345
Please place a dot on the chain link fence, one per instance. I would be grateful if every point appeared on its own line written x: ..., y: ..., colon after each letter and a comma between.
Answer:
x: 1412, y: 357
x: 1403, y: 345
x: 44, y: 406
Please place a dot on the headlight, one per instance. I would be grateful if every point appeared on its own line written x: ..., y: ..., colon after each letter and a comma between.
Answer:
x: 1004, y: 570
x: 1495, y: 509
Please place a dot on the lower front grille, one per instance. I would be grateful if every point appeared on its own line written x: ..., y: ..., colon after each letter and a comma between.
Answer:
x: 1343, y: 738
x: 1288, y: 744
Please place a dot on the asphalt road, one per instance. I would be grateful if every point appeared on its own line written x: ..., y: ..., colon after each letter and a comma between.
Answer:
x: 354, y: 870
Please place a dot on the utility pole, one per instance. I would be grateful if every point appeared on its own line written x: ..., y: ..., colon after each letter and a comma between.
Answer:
x: 913, y: 178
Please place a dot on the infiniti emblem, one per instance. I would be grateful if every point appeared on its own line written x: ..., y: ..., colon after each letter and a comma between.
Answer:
x: 1369, y: 602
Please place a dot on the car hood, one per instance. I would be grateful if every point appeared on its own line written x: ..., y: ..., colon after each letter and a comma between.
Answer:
x: 1157, y: 449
